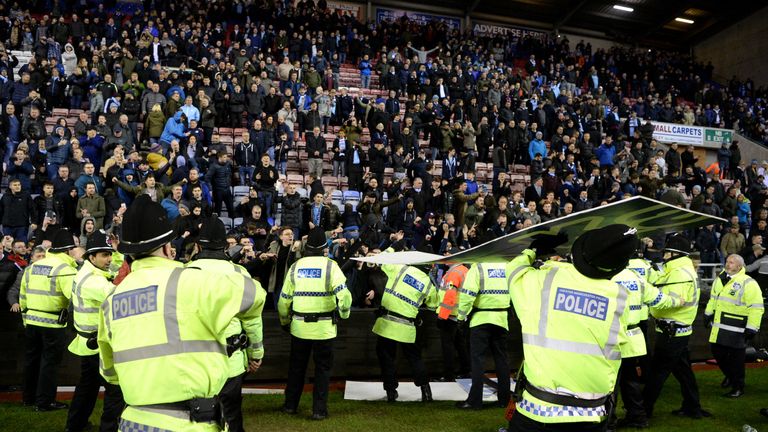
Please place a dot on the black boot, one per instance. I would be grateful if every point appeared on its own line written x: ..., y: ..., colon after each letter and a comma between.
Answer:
x: 426, y: 393
x: 391, y: 395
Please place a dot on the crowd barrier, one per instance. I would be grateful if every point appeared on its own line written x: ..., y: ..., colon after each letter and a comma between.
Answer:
x: 354, y: 352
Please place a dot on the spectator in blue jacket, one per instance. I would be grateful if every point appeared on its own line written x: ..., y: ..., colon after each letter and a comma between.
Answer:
x: 537, y: 145
x: 21, y: 169
x: 89, y: 176
x: 365, y: 72
x: 174, y: 129
x: 58, y: 148
x: 605, y: 153
x: 92, y: 145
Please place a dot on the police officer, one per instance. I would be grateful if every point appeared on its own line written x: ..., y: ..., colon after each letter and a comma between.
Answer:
x: 244, y: 338
x: 408, y: 288
x: 91, y: 286
x: 453, y: 338
x: 674, y: 329
x: 314, y: 295
x: 161, y: 331
x: 573, y: 319
x: 734, y: 311
x: 44, y: 299
x: 484, y: 303
x: 640, y: 296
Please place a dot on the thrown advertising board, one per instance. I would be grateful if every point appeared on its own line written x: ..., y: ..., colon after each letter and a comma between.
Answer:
x: 645, y: 214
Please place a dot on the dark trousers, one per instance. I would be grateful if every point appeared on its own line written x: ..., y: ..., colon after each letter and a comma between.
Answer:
x: 481, y: 339
x: 355, y: 178
x: 231, y: 396
x: 224, y: 196
x: 731, y: 362
x: 322, y: 351
x: 631, y: 387
x: 386, y: 351
x: 453, y: 340
x: 521, y: 423
x: 45, y: 349
x: 86, y: 393
x: 670, y: 355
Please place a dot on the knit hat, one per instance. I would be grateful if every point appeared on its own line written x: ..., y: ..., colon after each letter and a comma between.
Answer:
x: 145, y: 227
x: 62, y: 241
x: 604, y: 252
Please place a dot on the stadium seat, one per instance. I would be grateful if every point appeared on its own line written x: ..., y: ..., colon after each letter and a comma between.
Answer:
x: 240, y: 191
x: 227, y: 222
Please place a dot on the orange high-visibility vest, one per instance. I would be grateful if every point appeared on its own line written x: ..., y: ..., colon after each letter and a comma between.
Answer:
x: 449, y: 291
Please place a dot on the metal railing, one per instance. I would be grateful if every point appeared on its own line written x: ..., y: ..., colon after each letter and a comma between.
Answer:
x: 707, y: 273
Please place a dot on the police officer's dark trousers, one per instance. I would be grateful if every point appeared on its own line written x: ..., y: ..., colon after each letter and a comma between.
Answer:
x: 483, y: 338
x: 231, y: 397
x: 86, y: 393
x: 631, y: 387
x: 453, y: 340
x: 45, y: 349
x: 731, y: 362
x: 521, y: 423
x: 386, y: 351
x: 671, y: 356
x: 322, y: 352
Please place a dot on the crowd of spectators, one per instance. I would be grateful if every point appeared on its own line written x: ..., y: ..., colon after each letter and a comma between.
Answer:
x: 449, y: 139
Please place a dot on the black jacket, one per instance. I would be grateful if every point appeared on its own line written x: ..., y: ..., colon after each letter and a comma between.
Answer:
x: 292, y: 210
x: 315, y: 144
x: 16, y: 210
x: 219, y: 176
x: 41, y: 206
x: 246, y: 154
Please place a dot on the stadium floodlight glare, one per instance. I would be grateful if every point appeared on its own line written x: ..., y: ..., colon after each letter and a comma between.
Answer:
x: 623, y: 8
x: 684, y: 20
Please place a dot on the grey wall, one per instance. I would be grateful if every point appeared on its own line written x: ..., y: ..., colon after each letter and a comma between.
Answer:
x: 741, y: 50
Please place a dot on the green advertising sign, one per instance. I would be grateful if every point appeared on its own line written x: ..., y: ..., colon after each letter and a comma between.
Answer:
x: 718, y: 136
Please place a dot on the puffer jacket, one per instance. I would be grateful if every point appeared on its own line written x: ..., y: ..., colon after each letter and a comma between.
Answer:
x: 291, y: 210
x: 219, y: 176
x: 69, y: 59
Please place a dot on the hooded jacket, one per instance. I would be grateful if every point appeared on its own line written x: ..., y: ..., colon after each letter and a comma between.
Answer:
x: 174, y: 129
x: 69, y: 59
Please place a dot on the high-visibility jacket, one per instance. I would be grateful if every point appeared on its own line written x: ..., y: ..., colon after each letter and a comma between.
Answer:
x: 117, y: 261
x: 89, y: 290
x: 646, y: 271
x: 161, y: 337
x: 407, y: 289
x: 678, y: 280
x: 453, y: 279
x: 574, y: 331
x: 253, y: 328
x: 46, y: 288
x: 314, y: 285
x: 485, y: 287
x: 736, y: 306
x: 640, y: 295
